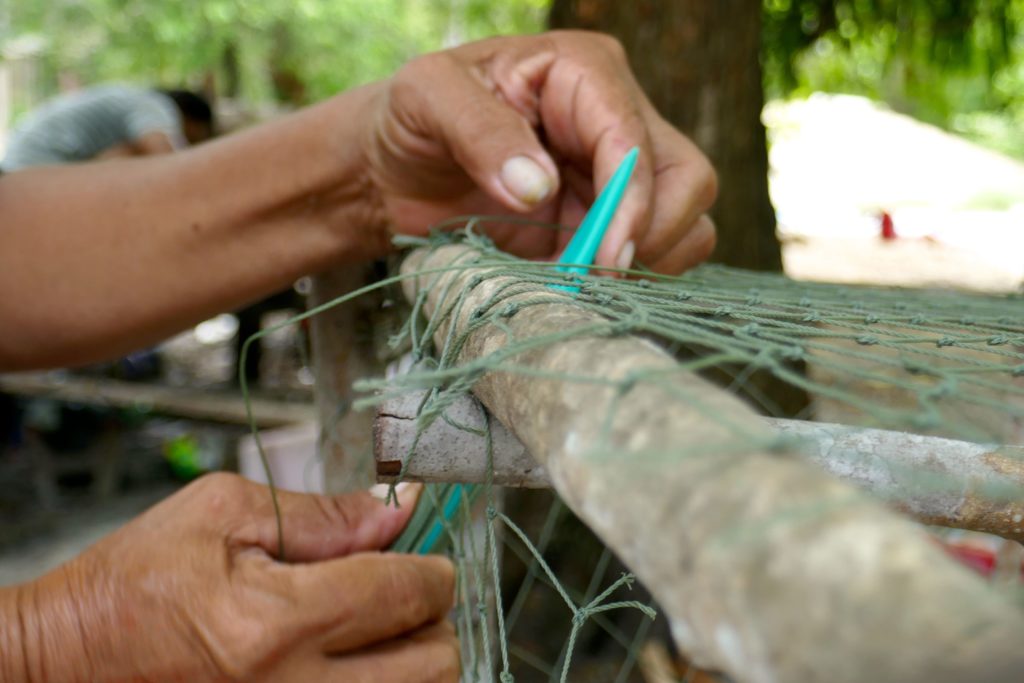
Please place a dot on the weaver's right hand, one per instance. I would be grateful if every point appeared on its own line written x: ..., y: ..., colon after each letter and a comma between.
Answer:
x: 535, y: 124
x: 191, y: 591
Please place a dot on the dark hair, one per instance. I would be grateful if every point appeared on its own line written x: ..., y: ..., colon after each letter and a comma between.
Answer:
x: 192, y: 105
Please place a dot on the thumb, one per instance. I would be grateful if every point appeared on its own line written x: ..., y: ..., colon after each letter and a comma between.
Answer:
x: 318, y: 527
x: 492, y: 142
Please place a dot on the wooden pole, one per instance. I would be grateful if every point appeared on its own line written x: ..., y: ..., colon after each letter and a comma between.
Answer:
x: 767, y: 568
x: 937, y: 481
x: 343, y: 346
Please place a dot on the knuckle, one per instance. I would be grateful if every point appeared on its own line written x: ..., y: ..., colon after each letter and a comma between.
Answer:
x: 240, y: 646
x: 220, y: 489
x: 341, y: 511
x: 710, y: 241
x: 612, y: 45
x: 411, y: 591
x: 448, y: 663
x: 425, y: 67
x: 708, y: 179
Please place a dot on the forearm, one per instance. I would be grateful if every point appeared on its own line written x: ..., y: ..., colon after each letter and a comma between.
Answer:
x: 125, y: 254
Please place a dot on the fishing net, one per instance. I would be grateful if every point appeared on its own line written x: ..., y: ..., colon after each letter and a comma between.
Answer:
x: 540, y: 598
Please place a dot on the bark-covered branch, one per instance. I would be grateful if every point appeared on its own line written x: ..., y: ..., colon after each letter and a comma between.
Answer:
x: 767, y: 567
x: 937, y: 481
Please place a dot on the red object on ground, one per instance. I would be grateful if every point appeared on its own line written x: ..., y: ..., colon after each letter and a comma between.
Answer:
x: 979, y: 559
x: 888, y: 229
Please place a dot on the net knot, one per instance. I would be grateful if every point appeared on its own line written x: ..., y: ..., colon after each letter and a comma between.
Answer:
x: 506, y: 677
x: 916, y: 367
x: 1018, y: 371
x: 643, y: 284
x: 763, y: 359
x: 945, y: 341
x: 944, y: 388
x: 867, y: 340
x: 998, y: 340
x: 793, y: 353
x: 812, y: 317
x: 620, y: 327
x: 918, y: 319
x: 683, y: 295
x: 508, y: 310
x: 870, y: 319
x: 627, y: 383
x: 475, y: 280
x: 492, y: 513
x: 722, y: 312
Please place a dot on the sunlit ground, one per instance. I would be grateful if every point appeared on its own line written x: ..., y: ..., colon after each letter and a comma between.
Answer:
x: 838, y: 161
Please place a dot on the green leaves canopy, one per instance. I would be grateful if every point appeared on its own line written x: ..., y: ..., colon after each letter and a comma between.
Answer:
x: 932, y: 58
x: 325, y: 45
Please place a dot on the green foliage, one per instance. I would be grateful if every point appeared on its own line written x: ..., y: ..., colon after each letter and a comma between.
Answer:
x: 934, y: 59
x: 298, y: 50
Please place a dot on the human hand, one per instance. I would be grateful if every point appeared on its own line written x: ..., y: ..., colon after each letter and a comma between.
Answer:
x: 190, y: 591
x: 533, y: 124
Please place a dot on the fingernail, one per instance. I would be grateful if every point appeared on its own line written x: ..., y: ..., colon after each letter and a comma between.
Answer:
x: 625, y: 259
x: 525, y: 179
x: 408, y: 493
x: 380, y: 491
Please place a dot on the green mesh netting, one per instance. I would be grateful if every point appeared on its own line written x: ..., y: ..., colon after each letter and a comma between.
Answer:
x: 539, y: 597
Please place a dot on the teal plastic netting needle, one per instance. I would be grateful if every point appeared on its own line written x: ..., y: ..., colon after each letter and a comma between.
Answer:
x: 424, y: 533
x: 451, y: 505
x: 579, y: 254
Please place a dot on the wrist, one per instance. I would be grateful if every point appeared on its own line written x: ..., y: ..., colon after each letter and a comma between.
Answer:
x: 47, y: 641
x: 301, y: 185
x: 364, y: 229
x: 14, y: 646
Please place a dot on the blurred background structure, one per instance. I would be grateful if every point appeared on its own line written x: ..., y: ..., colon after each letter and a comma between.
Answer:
x: 858, y: 141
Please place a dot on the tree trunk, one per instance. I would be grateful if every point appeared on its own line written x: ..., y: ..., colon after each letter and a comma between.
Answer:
x: 699, y: 62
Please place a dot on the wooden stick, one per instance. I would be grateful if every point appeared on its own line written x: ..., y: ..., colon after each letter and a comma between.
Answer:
x: 195, y: 404
x: 937, y: 481
x: 767, y: 568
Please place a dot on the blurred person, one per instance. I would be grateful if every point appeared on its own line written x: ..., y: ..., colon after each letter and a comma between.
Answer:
x: 108, y: 121
x: 196, y: 588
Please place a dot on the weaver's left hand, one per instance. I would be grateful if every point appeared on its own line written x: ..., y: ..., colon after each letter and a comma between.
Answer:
x: 190, y: 591
x: 532, y: 124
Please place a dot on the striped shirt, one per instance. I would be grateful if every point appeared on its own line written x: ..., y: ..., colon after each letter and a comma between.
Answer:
x: 80, y: 125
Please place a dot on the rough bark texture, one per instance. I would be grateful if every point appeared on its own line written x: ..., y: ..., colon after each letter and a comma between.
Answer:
x: 445, y: 453
x: 766, y: 567
x: 699, y: 62
x: 937, y: 481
